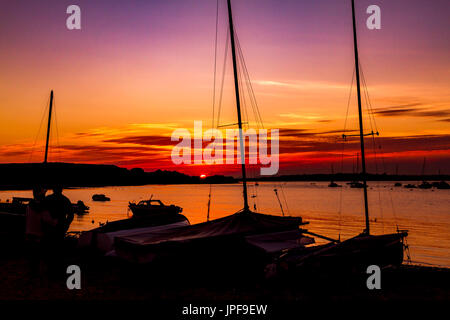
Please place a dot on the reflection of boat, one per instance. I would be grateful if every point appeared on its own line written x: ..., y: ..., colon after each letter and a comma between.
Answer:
x: 152, y: 207
x: 100, y: 197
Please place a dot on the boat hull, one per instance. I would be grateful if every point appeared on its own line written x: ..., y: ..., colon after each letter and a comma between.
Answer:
x: 352, y: 255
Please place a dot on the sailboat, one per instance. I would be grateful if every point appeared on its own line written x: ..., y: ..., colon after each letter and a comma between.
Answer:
x: 363, y: 250
x: 333, y: 184
x: 356, y: 183
x: 424, y: 184
x: 243, y: 239
x: 12, y: 213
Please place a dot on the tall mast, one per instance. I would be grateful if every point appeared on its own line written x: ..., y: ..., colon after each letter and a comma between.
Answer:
x: 48, y: 125
x: 238, y: 106
x: 361, y: 128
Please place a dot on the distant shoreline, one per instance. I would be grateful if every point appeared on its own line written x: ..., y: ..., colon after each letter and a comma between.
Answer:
x: 23, y: 176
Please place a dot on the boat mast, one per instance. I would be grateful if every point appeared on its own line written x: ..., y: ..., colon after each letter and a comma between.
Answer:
x: 238, y: 106
x: 48, y: 126
x: 361, y: 128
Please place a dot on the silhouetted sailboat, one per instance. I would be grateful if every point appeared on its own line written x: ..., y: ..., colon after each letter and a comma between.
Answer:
x: 424, y: 184
x: 365, y: 249
x: 333, y: 184
x: 240, y: 240
x: 12, y: 214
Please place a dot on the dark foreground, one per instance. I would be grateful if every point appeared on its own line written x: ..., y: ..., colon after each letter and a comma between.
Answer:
x: 108, y: 279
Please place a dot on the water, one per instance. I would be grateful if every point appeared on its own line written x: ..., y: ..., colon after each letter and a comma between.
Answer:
x: 330, y: 211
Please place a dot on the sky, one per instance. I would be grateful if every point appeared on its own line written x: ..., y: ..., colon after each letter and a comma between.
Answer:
x: 138, y: 70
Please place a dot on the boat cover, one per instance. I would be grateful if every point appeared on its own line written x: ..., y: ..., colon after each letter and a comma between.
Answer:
x: 239, y: 224
x: 102, y: 238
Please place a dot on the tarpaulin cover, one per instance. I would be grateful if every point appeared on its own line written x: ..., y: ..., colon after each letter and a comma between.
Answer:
x: 241, y: 223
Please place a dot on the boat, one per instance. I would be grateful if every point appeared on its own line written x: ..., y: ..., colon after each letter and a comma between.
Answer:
x: 248, y: 242
x: 425, y: 185
x: 18, y: 205
x: 100, y: 197
x: 243, y: 240
x: 12, y: 214
x: 443, y: 185
x: 333, y: 184
x: 356, y: 184
x: 356, y: 253
x: 80, y: 208
x: 152, y: 207
x: 410, y: 186
x: 101, y: 239
x: 397, y: 184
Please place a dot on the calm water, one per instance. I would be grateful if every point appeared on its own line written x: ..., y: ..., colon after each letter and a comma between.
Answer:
x: 330, y: 211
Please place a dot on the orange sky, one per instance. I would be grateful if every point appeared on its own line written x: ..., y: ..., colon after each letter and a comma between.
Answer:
x: 131, y: 76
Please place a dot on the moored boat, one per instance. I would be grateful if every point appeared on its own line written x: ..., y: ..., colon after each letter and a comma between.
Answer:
x: 152, y: 207
x: 102, y: 239
x: 100, y: 198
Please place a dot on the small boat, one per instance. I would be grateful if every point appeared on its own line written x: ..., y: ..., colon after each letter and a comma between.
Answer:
x: 397, y: 184
x: 425, y: 185
x: 334, y: 185
x: 18, y: 205
x: 102, y: 239
x: 80, y: 208
x: 410, y: 186
x: 442, y: 185
x: 152, y: 207
x: 356, y: 184
x: 100, y: 197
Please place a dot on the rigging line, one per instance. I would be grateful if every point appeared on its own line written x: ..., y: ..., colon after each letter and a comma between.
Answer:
x: 58, y: 152
x: 374, y: 145
x: 372, y: 114
x: 215, y: 64
x: 369, y: 103
x: 285, y: 199
x: 214, y: 97
x: 223, y: 77
x: 242, y: 94
x: 250, y: 86
x: 39, y: 130
x: 343, y: 150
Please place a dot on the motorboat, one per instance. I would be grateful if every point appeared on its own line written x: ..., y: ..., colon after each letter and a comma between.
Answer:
x: 152, y: 207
